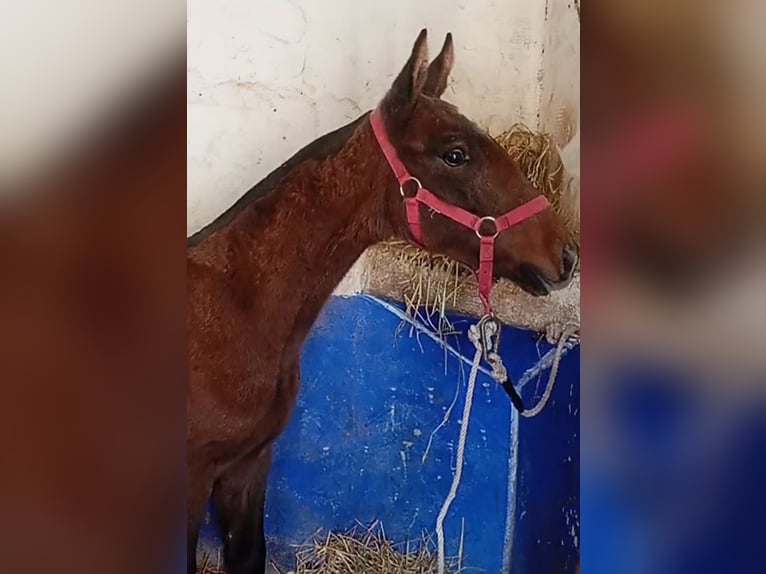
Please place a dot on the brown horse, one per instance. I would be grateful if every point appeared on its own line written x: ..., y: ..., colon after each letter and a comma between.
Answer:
x: 259, y: 275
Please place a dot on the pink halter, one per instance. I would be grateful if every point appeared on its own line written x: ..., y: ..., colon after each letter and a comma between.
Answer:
x: 453, y: 212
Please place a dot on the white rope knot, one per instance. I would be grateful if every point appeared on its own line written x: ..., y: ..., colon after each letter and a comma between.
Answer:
x: 556, y: 330
x: 474, y: 335
x: 499, y: 372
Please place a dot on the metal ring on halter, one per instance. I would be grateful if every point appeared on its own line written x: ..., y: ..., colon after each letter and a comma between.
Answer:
x: 409, y: 179
x: 477, y: 229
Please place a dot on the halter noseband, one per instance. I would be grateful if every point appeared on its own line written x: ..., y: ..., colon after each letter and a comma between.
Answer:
x: 453, y: 212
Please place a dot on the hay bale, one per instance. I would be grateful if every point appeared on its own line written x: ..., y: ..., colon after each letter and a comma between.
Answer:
x: 429, y: 284
x: 402, y: 272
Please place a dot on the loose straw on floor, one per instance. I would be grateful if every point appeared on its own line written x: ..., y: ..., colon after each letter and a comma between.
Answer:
x: 365, y: 550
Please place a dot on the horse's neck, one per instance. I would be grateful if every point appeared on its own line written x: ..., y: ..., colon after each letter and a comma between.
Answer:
x: 294, y: 246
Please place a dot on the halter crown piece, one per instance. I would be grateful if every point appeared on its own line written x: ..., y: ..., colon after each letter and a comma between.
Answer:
x: 453, y: 212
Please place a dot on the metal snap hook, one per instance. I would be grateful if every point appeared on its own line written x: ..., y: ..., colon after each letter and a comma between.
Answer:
x: 489, y: 335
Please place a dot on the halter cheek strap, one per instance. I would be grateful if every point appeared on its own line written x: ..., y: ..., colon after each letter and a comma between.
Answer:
x: 453, y: 212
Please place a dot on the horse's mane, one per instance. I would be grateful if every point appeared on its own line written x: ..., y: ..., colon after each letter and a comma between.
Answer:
x: 319, y: 149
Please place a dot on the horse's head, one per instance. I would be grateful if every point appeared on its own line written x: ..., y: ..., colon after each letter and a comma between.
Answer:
x: 462, y: 165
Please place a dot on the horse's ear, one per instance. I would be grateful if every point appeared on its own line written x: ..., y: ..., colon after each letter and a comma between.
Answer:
x: 439, y: 70
x: 409, y: 83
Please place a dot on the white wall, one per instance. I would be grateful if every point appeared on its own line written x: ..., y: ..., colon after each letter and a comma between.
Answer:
x: 560, y: 94
x: 559, y: 102
x: 266, y: 77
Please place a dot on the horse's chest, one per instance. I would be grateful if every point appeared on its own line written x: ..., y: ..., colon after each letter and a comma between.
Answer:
x: 270, y: 411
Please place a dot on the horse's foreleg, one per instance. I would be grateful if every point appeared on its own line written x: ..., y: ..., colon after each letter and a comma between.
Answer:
x: 239, y: 496
x: 200, y: 479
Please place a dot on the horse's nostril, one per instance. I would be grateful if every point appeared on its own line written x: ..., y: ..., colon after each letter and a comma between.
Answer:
x: 568, y: 259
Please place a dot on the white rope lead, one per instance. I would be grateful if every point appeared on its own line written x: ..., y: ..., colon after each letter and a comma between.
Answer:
x: 473, y: 335
x: 563, y: 338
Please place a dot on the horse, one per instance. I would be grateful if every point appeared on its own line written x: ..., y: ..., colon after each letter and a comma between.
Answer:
x: 260, y: 273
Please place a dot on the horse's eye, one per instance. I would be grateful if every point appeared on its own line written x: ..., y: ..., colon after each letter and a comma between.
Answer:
x: 455, y: 157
